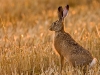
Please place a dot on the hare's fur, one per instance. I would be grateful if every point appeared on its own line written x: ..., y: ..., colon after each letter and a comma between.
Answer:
x: 68, y: 48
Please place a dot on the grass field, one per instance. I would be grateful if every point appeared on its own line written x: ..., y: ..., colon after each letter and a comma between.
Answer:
x: 26, y: 44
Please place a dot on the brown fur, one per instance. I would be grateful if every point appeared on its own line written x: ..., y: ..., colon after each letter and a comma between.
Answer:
x: 70, y: 49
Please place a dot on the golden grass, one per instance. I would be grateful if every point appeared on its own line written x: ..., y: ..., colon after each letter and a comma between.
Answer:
x: 26, y: 43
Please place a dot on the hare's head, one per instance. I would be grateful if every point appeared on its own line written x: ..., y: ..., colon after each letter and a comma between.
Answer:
x: 58, y: 25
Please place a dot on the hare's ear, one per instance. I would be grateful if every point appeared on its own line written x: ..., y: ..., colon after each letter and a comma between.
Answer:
x: 60, y: 12
x: 65, y: 11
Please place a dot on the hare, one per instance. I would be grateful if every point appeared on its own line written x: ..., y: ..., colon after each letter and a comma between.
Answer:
x: 66, y: 46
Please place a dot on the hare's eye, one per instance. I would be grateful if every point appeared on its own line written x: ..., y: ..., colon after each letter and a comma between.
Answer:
x: 54, y: 23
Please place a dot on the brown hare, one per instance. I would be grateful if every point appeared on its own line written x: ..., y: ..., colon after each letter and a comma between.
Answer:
x: 66, y: 46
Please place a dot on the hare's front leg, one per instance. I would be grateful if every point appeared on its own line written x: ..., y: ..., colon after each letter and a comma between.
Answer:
x: 61, y: 63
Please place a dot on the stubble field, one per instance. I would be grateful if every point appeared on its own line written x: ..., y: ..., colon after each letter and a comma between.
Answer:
x: 26, y: 44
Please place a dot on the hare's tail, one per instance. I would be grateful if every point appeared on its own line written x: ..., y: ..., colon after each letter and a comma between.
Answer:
x: 93, y: 63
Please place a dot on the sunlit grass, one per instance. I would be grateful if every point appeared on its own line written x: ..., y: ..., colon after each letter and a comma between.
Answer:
x: 26, y: 44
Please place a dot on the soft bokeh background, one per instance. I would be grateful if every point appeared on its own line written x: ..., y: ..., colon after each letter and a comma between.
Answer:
x: 26, y: 44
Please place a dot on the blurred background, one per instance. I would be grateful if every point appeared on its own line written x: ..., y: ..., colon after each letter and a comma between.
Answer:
x: 20, y: 8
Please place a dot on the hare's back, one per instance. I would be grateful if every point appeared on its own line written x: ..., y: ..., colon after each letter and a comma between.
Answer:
x: 77, y: 54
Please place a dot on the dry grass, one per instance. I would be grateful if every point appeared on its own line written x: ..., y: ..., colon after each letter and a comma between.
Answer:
x: 26, y: 42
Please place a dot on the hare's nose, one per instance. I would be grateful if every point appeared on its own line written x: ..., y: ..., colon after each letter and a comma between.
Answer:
x: 50, y: 28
